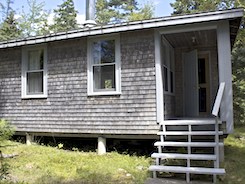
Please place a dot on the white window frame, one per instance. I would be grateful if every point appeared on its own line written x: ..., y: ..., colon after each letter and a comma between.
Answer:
x: 24, y: 67
x: 90, y: 83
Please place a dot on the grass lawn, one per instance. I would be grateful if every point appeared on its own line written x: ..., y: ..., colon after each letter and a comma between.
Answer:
x: 235, y: 157
x: 42, y: 164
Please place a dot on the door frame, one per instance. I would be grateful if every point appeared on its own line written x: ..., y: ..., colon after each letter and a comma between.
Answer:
x: 207, y: 55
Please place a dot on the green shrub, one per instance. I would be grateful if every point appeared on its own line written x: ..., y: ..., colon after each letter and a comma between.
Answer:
x: 6, y: 130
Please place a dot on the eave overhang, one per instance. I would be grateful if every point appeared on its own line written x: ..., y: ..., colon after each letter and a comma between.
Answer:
x: 231, y: 15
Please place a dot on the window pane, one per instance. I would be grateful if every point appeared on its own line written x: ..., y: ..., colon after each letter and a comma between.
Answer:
x: 165, y: 79
x: 103, y: 52
x: 104, y: 77
x: 201, y: 71
x: 202, y: 100
x: 35, y: 60
x: 35, y: 82
x: 171, y: 82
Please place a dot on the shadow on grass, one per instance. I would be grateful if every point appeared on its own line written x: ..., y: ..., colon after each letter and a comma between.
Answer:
x: 87, y: 177
x: 234, y: 165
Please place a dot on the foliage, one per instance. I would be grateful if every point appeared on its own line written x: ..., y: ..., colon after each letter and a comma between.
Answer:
x: 192, y: 6
x: 41, y: 164
x: 65, y: 17
x: 34, y: 21
x: 116, y: 11
x: 9, y: 28
x: 6, y: 9
x: 238, y: 59
x: 4, y: 168
x: 6, y: 130
x: 146, y: 12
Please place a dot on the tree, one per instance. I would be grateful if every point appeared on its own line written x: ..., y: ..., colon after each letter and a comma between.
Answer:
x: 9, y: 28
x: 238, y: 69
x: 192, y: 6
x: 116, y: 11
x: 238, y: 53
x: 146, y: 12
x: 6, y: 9
x: 65, y: 17
x: 34, y: 21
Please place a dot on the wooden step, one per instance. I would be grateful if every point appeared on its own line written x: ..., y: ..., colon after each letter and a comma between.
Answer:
x: 183, y: 156
x: 189, y: 133
x: 190, y: 122
x: 186, y: 144
x: 194, y: 170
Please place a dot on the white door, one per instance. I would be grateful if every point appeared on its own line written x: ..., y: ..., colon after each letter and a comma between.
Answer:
x: 191, y: 107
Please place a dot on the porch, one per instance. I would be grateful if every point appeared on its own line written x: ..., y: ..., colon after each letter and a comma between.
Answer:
x: 193, y: 62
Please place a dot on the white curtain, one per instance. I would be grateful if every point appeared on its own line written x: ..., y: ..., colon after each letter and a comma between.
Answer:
x: 34, y: 79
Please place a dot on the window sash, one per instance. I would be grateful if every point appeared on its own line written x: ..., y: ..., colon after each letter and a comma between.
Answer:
x: 34, y: 72
x: 105, y: 82
x: 34, y: 83
x: 110, y: 81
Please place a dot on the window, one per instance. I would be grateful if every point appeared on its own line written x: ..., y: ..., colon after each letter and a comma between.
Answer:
x: 167, y: 67
x: 34, y: 74
x: 104, y: 66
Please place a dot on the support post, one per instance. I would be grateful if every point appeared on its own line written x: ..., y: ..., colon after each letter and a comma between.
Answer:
x: 101, y: 145
x: 225, y: 73
x: 29, y: 138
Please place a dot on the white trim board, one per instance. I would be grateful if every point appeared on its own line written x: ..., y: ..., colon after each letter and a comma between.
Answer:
x: 129, y: 26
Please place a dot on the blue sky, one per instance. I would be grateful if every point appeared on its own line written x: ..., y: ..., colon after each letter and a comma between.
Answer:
x: 162, y: 7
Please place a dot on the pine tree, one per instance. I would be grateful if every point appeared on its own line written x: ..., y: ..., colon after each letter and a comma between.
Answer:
x: 116, y: 11
x: 65, y: 17
x: 192, y: 6
x: 146, y: 12
x: 6, y: 9
x: 34, y: 21
x: 9, y: 28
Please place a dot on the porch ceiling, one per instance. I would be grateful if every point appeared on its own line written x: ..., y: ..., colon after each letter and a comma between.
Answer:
x: 202, y: 38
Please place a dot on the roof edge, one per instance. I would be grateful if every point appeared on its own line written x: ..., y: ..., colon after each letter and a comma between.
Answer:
x: 129, y: 26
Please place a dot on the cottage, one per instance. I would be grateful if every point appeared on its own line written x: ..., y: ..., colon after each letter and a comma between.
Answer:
x: 126, y: 80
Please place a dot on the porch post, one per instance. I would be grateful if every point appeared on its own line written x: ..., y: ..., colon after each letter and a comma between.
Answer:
x: 159, y: 82
x: 225, y: 73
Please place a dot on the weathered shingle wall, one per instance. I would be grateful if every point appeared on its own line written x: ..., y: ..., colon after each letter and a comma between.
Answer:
x: 68, y: 109
x: 169, y: 106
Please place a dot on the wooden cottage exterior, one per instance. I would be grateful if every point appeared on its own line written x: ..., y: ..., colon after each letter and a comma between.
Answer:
x: 121, y: 80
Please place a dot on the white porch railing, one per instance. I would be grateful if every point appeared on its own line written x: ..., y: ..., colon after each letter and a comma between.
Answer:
x: 218, y: 99
x: 215, y: 112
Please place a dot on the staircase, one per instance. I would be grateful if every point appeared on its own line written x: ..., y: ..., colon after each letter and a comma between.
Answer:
x: 184, y: 142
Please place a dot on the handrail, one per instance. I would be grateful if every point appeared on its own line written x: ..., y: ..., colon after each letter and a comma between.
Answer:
x: 215, y: 112
x: 218, y: 99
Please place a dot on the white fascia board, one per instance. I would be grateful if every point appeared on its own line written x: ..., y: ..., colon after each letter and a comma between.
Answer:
x: 138, y: 25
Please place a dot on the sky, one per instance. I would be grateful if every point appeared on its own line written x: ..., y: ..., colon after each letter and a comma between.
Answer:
x: 162, y: 7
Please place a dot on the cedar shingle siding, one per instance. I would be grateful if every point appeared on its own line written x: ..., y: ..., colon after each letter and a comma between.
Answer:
x: 68, y: 109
